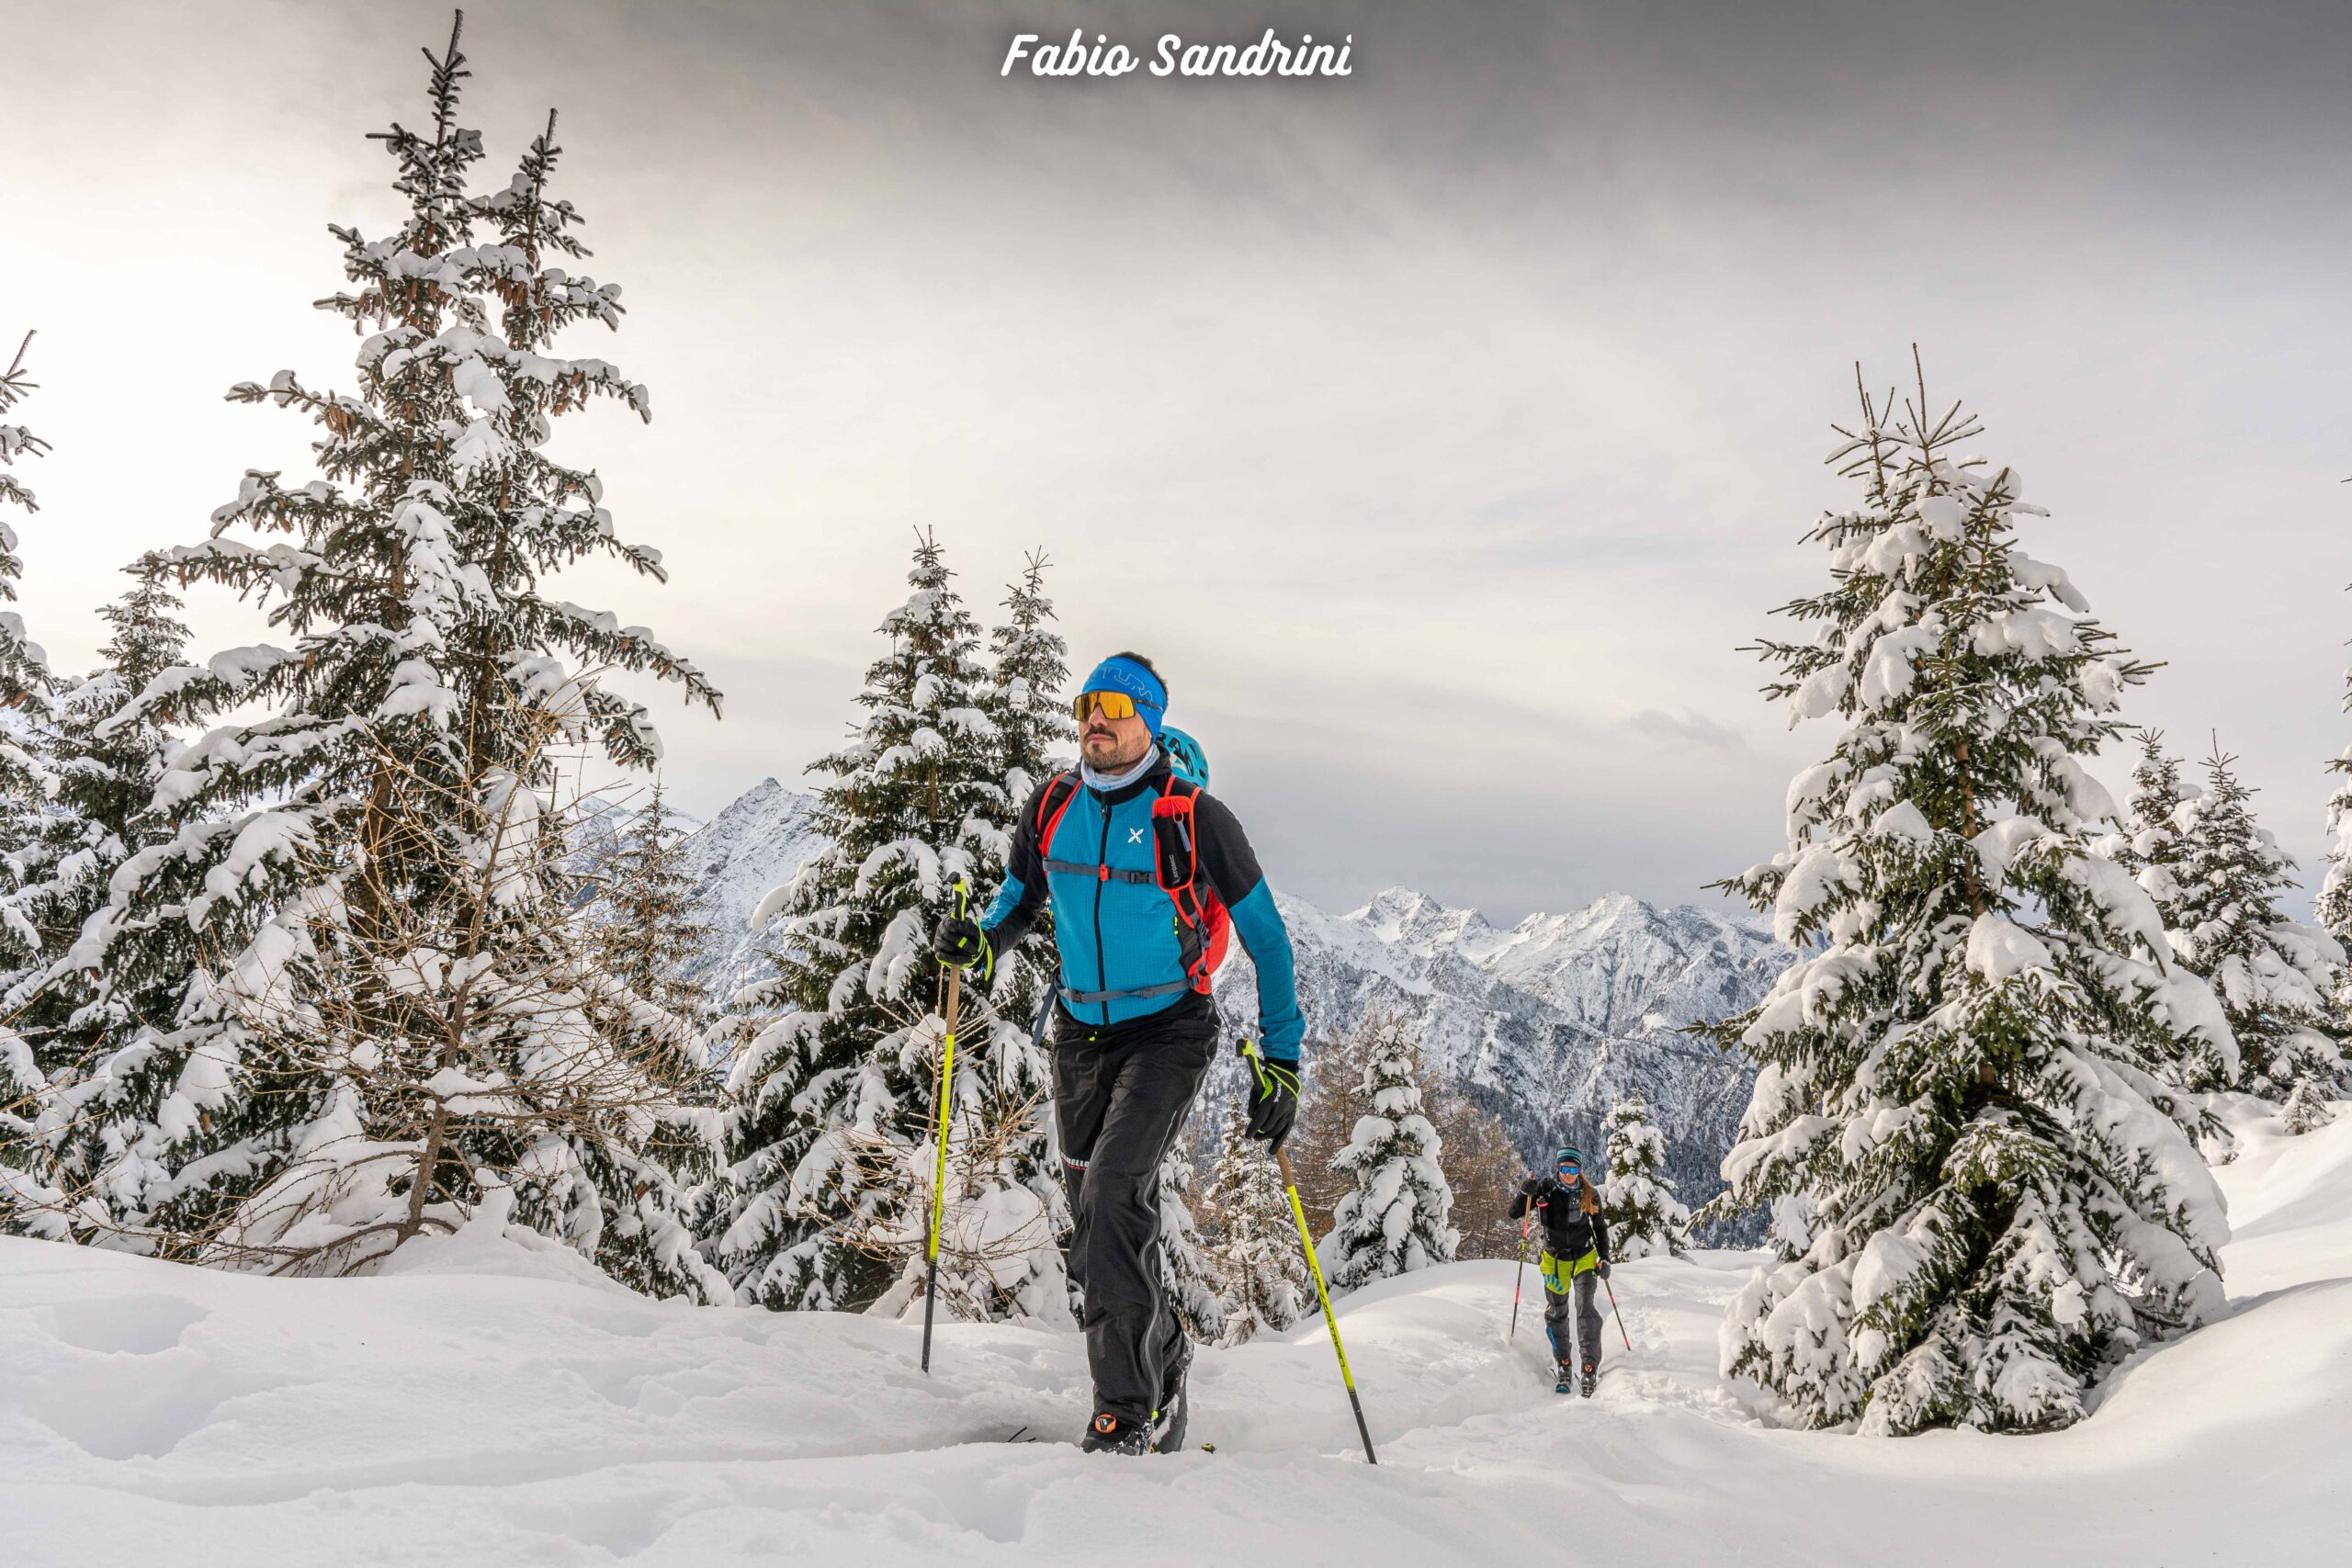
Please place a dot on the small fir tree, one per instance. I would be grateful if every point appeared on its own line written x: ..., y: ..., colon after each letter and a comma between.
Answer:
x: 24, y: 1197
x: 108, y: 766
x: 1959, y: 1075
x: 1400, y: 1217
x: 1256, y: 1251
x: 2308, y: 1108
x: 828, y: 1140
x: 1026, y: 702
x: 26, y: 781
x: 1025, y: 698
x: 2150, y: 845
x: 2274, y: 976
x: 1645, y: 1217
x: 23, y: 668
x: 648, y: 931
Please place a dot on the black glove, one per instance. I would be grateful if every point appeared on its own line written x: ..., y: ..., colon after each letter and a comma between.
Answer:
x: 1273, y: 1099
x: 1604, y: 1267
x: 1531, y: 1186
x: 959, y: 943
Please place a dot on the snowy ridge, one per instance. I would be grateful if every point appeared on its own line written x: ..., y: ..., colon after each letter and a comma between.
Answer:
x: 483, y: 1407
x: 756, y: 844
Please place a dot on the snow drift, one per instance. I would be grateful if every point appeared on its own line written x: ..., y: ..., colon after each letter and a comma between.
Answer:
x: 493, y: 1402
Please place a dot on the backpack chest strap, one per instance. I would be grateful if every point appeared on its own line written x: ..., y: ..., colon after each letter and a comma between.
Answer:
x: 1093, y: 873
x: 1143, y: 993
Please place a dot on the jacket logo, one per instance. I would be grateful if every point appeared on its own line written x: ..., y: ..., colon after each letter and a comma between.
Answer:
x: 1135, y: 835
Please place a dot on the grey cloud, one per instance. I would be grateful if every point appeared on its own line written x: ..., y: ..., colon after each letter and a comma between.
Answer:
x: 1430, y: 421
x: 1689, y: 729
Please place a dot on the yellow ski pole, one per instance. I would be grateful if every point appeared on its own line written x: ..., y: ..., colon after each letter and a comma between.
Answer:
x: 1315, y: 1267
x: 945, y: 1104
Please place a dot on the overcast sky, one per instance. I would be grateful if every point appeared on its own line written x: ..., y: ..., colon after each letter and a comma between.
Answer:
x: 1443, y: 431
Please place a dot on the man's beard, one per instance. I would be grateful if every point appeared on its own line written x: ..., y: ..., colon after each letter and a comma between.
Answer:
x: 1112, y: 761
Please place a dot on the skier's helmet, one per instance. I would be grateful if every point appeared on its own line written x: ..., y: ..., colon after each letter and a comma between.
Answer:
x: 1185, y: 757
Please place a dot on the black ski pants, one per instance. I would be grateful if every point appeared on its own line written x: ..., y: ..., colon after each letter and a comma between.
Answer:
x: 1121, y: 1096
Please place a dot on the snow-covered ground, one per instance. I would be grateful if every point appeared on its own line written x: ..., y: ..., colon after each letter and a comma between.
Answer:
x: 490, y: 1404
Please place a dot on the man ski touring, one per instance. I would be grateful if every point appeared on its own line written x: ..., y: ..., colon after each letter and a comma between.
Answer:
x: 1576, y: 1258
x: 1145, y: 872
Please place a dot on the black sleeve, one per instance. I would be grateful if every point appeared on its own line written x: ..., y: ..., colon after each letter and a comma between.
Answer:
x: 1023, y: 896
x: 1519, y: 1202
x: 1600, y: 1231
x: 1226, y: 859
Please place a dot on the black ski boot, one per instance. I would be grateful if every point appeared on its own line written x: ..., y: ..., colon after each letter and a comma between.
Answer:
x: 1591, y: 1376
x: 1106, y: 1434
x: 1563, y: 1386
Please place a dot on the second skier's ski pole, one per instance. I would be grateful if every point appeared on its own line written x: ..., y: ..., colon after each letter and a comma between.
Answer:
x: 1519, y: 1283
x: 1330, y: 1321
x: 939, y: 1170
x: 1618, y: 1315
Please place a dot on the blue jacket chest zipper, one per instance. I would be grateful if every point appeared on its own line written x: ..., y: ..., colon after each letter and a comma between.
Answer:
x: 1102, y: 955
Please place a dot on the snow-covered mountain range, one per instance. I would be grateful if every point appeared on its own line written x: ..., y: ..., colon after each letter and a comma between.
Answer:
x: 757, y: 843
x: 1548, y: 1020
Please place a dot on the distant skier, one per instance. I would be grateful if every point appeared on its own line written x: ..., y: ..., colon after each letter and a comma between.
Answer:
x: 1575, y: 1257
x: 1143, y: 870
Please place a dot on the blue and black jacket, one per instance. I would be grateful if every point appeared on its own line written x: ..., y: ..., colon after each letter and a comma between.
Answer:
x: 1122, y: 957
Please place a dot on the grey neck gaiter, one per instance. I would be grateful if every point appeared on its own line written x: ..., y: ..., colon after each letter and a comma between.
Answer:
x: 1103, y: 783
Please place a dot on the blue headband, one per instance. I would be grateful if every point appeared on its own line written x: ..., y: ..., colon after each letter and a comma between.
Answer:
x: 1115, y: 674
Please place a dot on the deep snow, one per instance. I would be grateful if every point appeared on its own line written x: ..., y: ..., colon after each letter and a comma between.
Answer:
x: 492, y: 1402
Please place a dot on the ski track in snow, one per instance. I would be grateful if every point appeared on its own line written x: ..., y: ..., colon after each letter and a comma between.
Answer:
x: 493, y: 1403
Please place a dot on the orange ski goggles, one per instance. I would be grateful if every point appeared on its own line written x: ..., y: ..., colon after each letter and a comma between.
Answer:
x: 1113, y: 704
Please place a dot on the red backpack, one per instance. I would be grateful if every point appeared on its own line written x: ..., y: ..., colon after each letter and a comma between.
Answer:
x: 1203, y: 929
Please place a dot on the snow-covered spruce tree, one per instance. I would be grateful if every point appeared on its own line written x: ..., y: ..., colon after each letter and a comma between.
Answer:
x: 1959, y: 1076
x: 648, y: 929
x: 2274, y: 976
x: 1196, y: 1288
x: 24, y: 778
x: 1026, y: 702
x: 1256, y: 1247
x: 23, y: 669
x: 1400, y: 1217
x: 365, y: 772
x: 1645, y: 1217
x: 24, y: 681
x: 2309, y: 1106
x: 830, y: 1138
x: 2150, y: 844
x: 105, y: 764
x: 1029, y: 662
